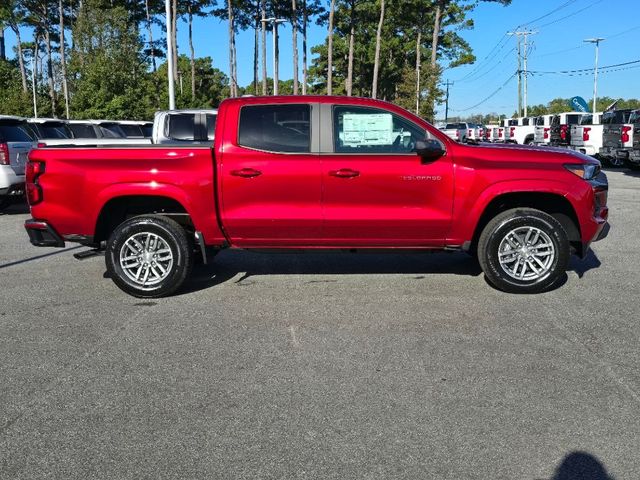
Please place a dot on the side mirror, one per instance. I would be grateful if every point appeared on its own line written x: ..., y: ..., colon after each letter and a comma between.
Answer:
x: 429, y: 149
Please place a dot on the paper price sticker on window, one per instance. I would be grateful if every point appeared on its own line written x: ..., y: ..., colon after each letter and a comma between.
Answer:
x: 367, y: 129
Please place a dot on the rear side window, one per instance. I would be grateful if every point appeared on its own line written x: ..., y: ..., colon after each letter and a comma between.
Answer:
x: 82, y: 130
x: 181, y: 126
x: 573, y: 119
x: 51, y: 130
x: 371, y: 130
x: 276, y: 128
x: 132, y: 130
x: 111, y: 130
x: 14, y: 132
x: 211, y: 125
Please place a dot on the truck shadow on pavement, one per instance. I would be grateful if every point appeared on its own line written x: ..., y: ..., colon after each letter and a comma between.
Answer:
x: 19, y: 208
x: 241, y: 266
x: 581, y: 466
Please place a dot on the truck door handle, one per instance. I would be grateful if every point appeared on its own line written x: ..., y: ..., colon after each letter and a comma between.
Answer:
x: 344, y: 173
x: 246, y: 173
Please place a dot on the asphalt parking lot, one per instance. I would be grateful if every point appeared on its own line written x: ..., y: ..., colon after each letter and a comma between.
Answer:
x: 321, y: 367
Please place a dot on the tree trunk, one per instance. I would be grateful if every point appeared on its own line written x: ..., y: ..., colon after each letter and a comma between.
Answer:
x: 330, y: 49
x: 192, y: 53
x: 263, y: 7
x: 352, y: 32
x: 232, y: 48
x: 276, y: 65
x: 150, y: 30
x: 52, y: 88
x: 437, y: 23
x: 376, y: 61
x: 418, y: 68
x: 174, y: 35
x: 3, y: 53
x: 23, y: 72
x: 294, y: 21
x: 63, y: 60
x: 305, y: 20
x: 256, y: 48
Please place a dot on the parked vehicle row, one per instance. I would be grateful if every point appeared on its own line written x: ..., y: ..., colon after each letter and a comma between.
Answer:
x: 613, y: 136
x: 19, y: 135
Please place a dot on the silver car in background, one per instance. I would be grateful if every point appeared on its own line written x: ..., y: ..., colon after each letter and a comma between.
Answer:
x: 16, y: 140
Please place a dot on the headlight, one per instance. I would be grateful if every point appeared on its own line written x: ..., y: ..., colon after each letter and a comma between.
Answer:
x: 587, y: 171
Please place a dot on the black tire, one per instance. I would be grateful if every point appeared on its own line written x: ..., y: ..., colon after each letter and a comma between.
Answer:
x: 632, y: 166
x: 615, y: 162
x: 5, y: 202
x: 167, y: 238
x: 495, y: 233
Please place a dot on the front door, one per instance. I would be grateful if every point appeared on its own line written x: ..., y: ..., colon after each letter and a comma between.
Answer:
x: 376, y: 190
x: 270, y: 177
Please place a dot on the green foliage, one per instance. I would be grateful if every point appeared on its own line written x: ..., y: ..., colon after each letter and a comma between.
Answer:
x: 13, y: 100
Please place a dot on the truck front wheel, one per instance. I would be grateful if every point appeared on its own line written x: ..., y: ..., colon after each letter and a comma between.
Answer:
x: 149, y: 256
x: 524, y: 250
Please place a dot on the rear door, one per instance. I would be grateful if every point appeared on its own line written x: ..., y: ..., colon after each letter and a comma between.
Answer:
x: 17, y: 136
x: 270, y: 176
x: 376, y: 190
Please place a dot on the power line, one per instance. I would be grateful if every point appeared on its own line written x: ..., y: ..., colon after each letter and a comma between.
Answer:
x: 566, y: 4
x: 589, y: 70
x: 570, y: 15
x: 489, y: 97
x: 491, y: 67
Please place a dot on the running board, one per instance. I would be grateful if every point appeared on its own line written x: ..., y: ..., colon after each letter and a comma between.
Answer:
x: 88, y: 254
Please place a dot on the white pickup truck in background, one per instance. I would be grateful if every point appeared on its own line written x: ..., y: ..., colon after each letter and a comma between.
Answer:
x: 542, y: 135
x: 456, y: 131
x: 171, y: 127
x: 521, y: 130
x: 586, y: 137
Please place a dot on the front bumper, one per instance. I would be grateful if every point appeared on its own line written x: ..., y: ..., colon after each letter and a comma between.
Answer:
x: 41, y: 234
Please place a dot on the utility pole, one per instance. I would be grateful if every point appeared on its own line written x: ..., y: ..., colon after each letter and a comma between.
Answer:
x: 522, y: 72
x: 170, y: 59
x: 446, y: 108
x: 274, y: 31
x: 597, y: 41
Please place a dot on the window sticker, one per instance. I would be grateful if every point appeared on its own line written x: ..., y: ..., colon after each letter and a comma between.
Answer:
x: 367, y: 129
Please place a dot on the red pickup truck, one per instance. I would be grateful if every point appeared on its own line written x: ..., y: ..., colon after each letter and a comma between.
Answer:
x: 317, y: 172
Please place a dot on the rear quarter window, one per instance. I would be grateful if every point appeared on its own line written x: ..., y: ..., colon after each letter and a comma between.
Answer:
x: 276, y: 128
x: 181, y: 126
x: 82, y: 130
x: 15, y: 132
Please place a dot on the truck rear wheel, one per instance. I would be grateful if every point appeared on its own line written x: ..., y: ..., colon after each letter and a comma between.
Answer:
x: 149, y: 256
x: 523, y: 250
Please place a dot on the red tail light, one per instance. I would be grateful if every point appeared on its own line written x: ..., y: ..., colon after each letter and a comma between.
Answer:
x: 500, y: 132
x: 625, y: 134
x: 4, y: 154
x: 585, y: 133
x: 470, y: 133
x: 563, y: 132
x: 546, y: 133
x: 32, y: 173
x: 457, y: 133
x: 512, y: 132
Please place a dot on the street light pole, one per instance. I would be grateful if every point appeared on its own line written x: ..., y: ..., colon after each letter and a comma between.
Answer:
x: 172, y: 95
x: 597, y: 41
x: 274, y: 32
x: 33, y: 84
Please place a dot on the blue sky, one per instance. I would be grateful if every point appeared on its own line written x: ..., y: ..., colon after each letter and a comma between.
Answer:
x: 558, y: 45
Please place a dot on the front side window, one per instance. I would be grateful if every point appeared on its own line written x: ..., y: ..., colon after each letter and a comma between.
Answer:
x: 181, y: 126
x: 276, y: 128
x: 371, y: 130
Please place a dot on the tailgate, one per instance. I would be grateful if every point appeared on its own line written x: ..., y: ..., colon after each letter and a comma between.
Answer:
x: 19, y: 153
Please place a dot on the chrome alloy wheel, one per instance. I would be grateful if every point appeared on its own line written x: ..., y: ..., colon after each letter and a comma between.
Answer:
x: 526, y: 253
x: 146, y: 259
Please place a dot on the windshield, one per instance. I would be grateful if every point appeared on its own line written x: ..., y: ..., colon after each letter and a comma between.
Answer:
x: 14, y: 131
x: 540, y: 121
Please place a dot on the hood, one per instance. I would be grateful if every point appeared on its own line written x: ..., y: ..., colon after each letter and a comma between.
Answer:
x: 511, y: 152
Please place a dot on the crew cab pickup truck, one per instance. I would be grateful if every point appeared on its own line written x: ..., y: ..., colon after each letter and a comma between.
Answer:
x: 633, y: 154
x: 586, y: 137
x: 456, y: 131
x: 561, y: 127
x: 542, y: 134
x: 616, y: 136
x: 318, y: 172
